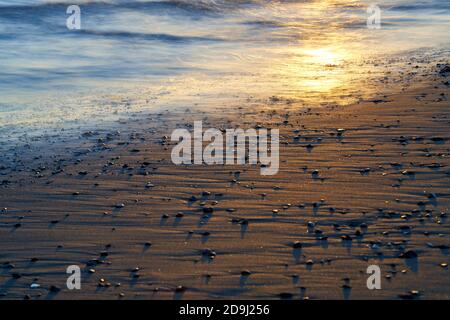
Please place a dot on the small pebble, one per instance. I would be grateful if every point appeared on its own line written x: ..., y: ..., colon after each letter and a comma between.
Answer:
x: 297, y: 244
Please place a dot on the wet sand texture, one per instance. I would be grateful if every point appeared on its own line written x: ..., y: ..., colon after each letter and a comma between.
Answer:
x: 112, y: 202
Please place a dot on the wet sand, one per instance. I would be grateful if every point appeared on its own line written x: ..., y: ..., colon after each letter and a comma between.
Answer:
x: 112, y: 202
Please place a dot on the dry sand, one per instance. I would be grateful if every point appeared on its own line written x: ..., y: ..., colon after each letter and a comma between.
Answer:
x: 61, y: 198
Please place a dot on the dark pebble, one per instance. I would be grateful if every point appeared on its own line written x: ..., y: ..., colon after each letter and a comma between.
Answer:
x: 54, y: 289
x: 180, y: 289
x: 408, y: 255
x: 297, y: 244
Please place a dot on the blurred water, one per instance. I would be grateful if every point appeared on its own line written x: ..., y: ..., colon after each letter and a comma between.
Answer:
x: 141, y: 54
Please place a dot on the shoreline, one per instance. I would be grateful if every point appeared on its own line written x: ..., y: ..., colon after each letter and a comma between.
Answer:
x: 90, y: 109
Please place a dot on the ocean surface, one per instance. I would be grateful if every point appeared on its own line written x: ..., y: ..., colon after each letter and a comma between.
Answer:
x: 137, y: 55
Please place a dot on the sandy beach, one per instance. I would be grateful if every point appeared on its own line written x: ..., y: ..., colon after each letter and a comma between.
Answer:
x: 111, y: 201
x: 92, y: 93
